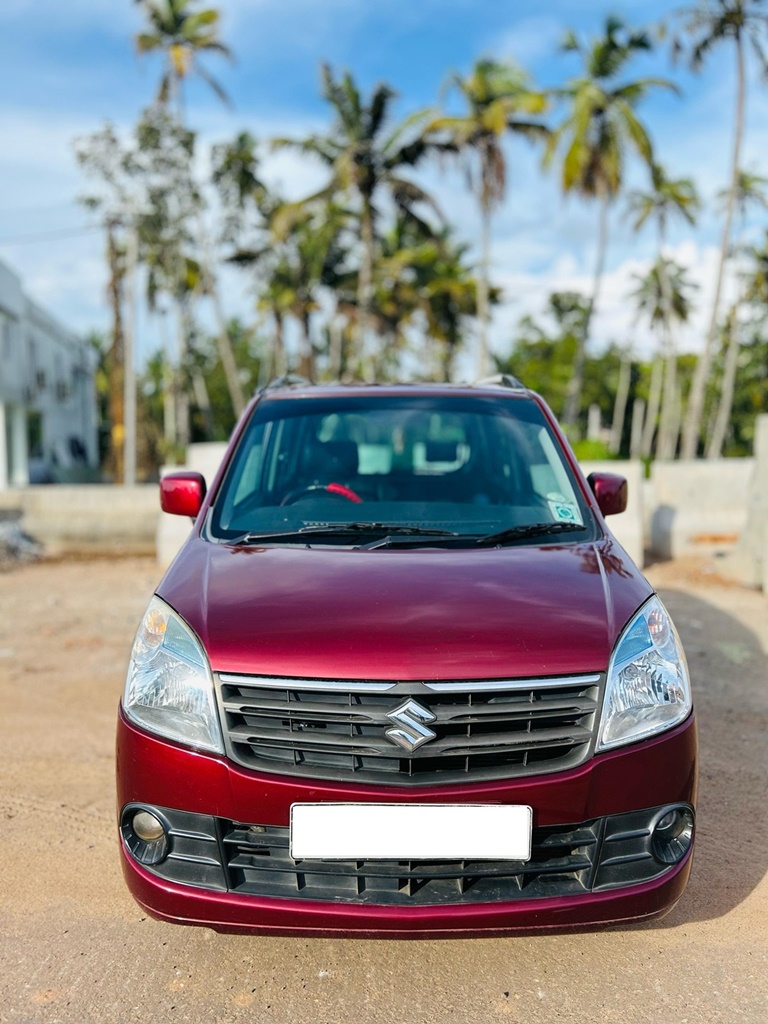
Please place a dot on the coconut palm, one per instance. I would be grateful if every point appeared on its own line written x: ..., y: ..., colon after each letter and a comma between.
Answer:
x: 366, y: 159
x: 662, y: 297
x: 451, y: 296
x: 425, y: 281
x: 744, y: 25
x: 666, y: 198
x: 300, y: 253
x: 499, y: 99
x: 601, y: 125
x: 235, y: 173
x: 750, y: 192
x: 181, y: 34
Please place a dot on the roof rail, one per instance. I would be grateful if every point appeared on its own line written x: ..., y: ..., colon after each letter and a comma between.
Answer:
x: 286, y: 381
x: 501, y: 380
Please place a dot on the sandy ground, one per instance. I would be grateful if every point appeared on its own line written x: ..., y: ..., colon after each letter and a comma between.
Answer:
x: 75, y: 948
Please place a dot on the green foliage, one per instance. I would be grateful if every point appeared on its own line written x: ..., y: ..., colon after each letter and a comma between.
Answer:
x: 370, y: 252
x: 181, y: 34
x: 601, y: 123
x: 541, y: 356
x: 596, y: 451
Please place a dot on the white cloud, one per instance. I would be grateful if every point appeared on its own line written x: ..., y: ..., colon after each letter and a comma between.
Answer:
x: 529, y: 40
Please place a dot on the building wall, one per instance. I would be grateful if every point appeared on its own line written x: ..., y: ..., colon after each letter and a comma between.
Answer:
x: 47, y: 395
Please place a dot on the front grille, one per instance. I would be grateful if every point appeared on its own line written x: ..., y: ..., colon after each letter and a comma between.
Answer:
x: 258, y: 862
x: 338, y: 730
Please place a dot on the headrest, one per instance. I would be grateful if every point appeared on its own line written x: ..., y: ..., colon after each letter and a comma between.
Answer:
x: 441, y: 451
x: 335, y: 459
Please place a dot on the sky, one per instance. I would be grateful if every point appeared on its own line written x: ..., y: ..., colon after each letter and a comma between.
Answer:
x: 66, y: 68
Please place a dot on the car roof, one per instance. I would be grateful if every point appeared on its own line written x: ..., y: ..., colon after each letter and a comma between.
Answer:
x: 297, y: 387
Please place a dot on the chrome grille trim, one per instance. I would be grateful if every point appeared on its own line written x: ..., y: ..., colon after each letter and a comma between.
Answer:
x: 375, y: 686
x: 348, y: 686
x: 332, y: 730
x: 486, y: 685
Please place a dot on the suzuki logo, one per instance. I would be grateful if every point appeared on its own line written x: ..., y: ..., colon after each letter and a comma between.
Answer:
x: 412, y: 720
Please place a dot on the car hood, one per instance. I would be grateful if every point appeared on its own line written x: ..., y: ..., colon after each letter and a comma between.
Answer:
x: 406, y: 614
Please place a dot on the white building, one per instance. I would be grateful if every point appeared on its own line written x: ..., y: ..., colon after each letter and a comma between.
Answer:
x: 48, y: 428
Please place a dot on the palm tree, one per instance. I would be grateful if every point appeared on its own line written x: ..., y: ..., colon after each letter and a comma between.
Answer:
x: 662, y: 296
x: 709, y: 24
x: 182, y: 34
x: 599, y: 128
x: 667, y: 197
x: 499, y: 99
x: 451, y: 295
x: 366, y: 160
x: 750, y: 191
x: 300, y: 253
x: 423, y: 281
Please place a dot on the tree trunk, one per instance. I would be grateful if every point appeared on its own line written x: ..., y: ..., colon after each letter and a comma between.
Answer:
x: 654, y: 401
x: 226, y: 353
x: 116, y: 358
x: 181, y: 399
x: 307, y: 362
x: 169, y: 404
x: 203, y: 401
x: 665, y: 448
x: 717, y: 437
x: 364, y: 290
x: 483, y: 289
x: 576, y: 383
x: 620, y: 403
x: 693, y: 417
x: 129, y: 377
x: 636, y: 436
x: 336, y: 348
x: 279, y: 366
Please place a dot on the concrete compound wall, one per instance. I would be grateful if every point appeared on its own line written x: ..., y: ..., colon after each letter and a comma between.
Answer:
x: 87, y: 519
x: 697, y: 507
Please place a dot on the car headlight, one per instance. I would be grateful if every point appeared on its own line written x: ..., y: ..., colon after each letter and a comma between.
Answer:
x: 169, y: 689
x: 648, y: 688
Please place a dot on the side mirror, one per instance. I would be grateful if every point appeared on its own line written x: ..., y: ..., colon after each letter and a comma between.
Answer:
x: 610, y: 489
x: 182, y: 494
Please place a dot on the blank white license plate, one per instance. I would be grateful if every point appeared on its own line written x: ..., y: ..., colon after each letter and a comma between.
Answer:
x: 410, y: 831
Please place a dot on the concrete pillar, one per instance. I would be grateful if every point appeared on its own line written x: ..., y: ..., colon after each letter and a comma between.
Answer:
x: 3, y: 450
x: 19, y: 452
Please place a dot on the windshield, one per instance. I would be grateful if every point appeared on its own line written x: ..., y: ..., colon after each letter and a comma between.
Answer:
x: 464, y: 465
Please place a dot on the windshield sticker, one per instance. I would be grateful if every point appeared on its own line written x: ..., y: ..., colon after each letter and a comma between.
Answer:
x: 564, y: 511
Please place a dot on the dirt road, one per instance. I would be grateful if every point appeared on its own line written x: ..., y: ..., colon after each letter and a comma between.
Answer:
x: 75, y: 948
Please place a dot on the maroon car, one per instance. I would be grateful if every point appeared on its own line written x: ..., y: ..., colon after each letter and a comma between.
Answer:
x: 402, y: 681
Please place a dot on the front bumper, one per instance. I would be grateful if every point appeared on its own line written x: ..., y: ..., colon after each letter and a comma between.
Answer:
x: 652, y: 774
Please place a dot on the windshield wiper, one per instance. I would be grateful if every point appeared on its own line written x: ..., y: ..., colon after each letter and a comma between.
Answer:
x: 342, y: 530
x: 526, y: 531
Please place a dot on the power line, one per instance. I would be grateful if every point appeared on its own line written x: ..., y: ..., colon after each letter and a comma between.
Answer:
x: 48, y: 236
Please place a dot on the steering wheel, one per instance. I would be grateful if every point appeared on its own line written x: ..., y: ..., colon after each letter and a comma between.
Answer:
x: 333, y: 489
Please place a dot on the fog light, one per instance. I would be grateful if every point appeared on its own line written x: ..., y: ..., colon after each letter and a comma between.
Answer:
x: 145, y: 835
x: 147, y: 826
x: 672, y: 835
